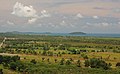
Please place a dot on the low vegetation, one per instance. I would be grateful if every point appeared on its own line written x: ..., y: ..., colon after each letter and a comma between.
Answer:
x: 40, y: 54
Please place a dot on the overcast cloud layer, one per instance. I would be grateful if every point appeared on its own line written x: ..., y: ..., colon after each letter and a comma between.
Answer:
x: 91, y: 16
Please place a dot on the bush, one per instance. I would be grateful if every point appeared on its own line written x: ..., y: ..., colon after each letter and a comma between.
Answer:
x: 19, y: 66
x: 62, y: 61
x: 33, y: 61
x: 68, y: 62
x: 118, y: 64
x: 44, y: 53
x: 13, y: 65
x: 78, y: 63
x: 87, y: 63
x: 97, y: 63
x: 84, y: 56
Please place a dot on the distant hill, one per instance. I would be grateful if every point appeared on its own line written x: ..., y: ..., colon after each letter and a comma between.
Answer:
x: 33, y: 33
x: 77, y: 33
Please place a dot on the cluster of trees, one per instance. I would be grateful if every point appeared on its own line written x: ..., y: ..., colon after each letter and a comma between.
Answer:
x: 8, y: 59
x: 47, y: 53
x: 12, y: 62
x: 69, y: 62
x: 97, y: 63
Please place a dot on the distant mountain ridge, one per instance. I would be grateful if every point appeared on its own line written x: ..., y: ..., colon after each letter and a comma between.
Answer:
x: 77, y: 33
x: 17, y: 32
x: 33, y: 33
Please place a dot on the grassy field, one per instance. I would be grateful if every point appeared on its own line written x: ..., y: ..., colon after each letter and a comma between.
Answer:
x: 51, y: 48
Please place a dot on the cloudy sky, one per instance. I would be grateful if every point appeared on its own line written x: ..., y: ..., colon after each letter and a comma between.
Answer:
x: 91, y: 16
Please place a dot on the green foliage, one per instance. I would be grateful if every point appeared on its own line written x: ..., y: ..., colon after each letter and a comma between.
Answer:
x: 46, y: 47
x: 50, y: 53
x: 62, y: 47
x: 18, y: 66
x: 33, y: 44
x: 68, y: 62
x: 97, y: 63
x: 43, y: 59
x: 118, y: 64
x: 44, y: 53
x: 78, y: 63
x: 87, y: 63
x: 8, y: 59
x: 33, y: 61
x: 55, y: 60
x: 84, y: 56
x: 62, y: 61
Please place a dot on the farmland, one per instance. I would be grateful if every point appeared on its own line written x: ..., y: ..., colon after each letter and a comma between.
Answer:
x: 42, y: 54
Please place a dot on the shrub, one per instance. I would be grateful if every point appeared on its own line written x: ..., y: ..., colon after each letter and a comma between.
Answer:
x: 118, y: 64
x: 78, y: 63
x: 97, y: 63
x: 68, y: 62
x: 33, y: 61
x: 62, y: 61
x: 87, y: 63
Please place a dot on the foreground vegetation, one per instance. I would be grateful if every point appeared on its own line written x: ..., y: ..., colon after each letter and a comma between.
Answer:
x: 41, y: 54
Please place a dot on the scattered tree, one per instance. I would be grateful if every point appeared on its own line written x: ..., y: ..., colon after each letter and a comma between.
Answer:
x: 33, y: 61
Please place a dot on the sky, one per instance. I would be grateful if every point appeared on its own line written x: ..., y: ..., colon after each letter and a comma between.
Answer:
x: 60, y: 16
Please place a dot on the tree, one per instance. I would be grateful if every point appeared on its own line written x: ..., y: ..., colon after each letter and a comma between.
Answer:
x: 44, y: 53
x: 55, y: 60
x: 78, y: 63
x: 68, y: 62
x: 62, y: 61
x: 87, y: 63
x: 84, y: 56
x: 33, y: 61
x: 15, y: 58
x: 43, y: 59
x: 46, y: 47
x: 118, y: 64
x: 98, y: 63
x: 62, y: 47
x: 48, y: 60
x: 50, y: 53
x: 1, y: 59
x: 71, y: 60
x: 13, y: 65
x: 1, y: 71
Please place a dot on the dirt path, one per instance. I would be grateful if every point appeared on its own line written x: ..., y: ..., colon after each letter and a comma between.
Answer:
x: 2, y: 42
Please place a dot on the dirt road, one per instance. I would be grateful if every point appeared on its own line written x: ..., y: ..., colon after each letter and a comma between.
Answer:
x: 3, y: 42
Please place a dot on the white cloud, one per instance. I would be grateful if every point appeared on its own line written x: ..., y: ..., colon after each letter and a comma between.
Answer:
x: 24, y: 11
x: 10, y: 23
x: 98, y: 25
x: 67, y: 24
x: 105, y: 24
x: 63, y: 23
x: 21, y: 10
x: 95, y: 17
x: 44, y: 13
x: 30, y: 21
x: 79, y: 15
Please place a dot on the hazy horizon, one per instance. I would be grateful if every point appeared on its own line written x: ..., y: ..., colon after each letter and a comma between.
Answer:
x: 59, y: 16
